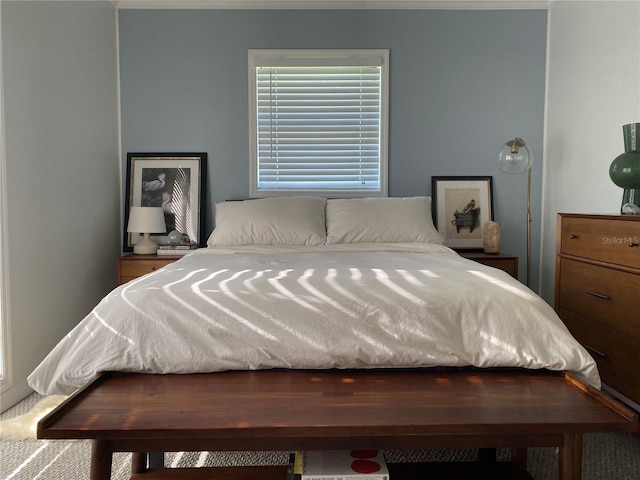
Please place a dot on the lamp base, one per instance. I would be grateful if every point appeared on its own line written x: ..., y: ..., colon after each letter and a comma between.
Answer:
x: 145, y: 246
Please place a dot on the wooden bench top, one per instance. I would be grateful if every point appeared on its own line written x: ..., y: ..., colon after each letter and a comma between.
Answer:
x: 386, y: 407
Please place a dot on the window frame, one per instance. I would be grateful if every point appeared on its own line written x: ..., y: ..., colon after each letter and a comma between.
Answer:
x: 318, y: 57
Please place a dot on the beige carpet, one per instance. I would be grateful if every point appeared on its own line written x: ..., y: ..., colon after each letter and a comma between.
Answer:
x: 606, y: 457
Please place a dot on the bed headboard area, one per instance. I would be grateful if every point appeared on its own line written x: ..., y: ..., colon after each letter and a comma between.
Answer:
x: 319, y: 221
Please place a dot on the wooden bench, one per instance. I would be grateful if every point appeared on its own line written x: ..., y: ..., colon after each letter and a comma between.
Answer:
x: 286, y: 410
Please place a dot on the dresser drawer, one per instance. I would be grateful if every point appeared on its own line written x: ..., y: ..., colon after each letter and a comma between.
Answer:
x: 603, y: 240
x: 615, y: 353
x: 605, y: 295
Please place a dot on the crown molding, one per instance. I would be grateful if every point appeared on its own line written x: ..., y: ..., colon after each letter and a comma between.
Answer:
x: 337, y: 4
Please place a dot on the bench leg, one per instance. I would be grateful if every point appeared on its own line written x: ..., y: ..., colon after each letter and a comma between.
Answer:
x: 571, y: 457
x: 144, y: 461
x: 138, y: 462
x: 519, y: 458
x: 101, y: 456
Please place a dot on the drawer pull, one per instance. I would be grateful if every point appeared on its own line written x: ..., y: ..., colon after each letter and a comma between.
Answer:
x: 597, y: 295
x: 573, y: 236
x: 593, y: 350
x: 633, y: 244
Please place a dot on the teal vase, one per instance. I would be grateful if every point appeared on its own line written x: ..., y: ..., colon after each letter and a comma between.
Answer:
x: 625, y: 170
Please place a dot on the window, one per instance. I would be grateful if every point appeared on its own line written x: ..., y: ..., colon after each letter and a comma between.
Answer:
x: 318, y: 122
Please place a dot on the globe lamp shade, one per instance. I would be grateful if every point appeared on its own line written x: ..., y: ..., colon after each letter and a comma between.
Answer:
x: 514, y: 157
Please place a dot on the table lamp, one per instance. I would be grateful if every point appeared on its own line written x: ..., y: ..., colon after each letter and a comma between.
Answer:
x: 146, y: 220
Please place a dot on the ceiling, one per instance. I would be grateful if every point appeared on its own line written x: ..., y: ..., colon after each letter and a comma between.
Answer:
x: 340, y: 4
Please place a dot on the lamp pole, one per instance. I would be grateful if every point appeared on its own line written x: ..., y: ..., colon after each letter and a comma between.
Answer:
x: 515, y: 157
x: 529, y: 227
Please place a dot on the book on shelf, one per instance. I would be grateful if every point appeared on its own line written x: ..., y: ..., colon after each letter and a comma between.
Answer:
x: 337, y: 465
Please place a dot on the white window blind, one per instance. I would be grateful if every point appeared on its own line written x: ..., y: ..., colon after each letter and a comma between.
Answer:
x: 320, y: 122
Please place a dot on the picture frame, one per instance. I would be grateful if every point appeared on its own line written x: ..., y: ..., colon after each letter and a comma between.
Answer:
x: 461, y: 206
x: 173, y: 181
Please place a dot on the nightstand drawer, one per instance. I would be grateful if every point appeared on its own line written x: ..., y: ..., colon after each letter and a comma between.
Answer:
x: 605, y: 295
x: 506, y: 263
x: 133, y: 266
x: 614, y: 241
x: 142, y: 267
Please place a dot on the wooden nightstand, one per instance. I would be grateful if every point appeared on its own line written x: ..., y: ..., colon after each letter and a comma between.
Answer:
x: 133, y: 266
x: 507, y: 263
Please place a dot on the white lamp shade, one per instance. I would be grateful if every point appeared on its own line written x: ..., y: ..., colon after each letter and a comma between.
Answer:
x: 146, y: 220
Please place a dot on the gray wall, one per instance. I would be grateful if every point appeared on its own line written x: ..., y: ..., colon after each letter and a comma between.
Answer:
x: 462, y: 83
x: 62, y: 165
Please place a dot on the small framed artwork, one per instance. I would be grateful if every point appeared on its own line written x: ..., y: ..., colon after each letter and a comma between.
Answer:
x: 461, y: 206
x: 173, y: 181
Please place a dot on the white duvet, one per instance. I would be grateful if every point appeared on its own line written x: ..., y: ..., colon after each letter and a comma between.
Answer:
x: 335, y: 306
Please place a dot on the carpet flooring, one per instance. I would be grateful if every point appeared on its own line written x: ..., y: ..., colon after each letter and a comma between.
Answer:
x: 606, y: 456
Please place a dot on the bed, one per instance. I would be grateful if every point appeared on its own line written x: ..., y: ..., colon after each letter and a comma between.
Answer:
x: 307, y: 283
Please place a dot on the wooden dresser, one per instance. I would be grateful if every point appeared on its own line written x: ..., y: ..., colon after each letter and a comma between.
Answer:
x: 597, y: 292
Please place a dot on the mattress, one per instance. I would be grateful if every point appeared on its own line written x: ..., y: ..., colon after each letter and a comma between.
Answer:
x: 322, y: 307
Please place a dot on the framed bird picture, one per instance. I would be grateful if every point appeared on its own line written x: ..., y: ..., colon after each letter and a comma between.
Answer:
x: 173, y: 181
x: 461, y: 206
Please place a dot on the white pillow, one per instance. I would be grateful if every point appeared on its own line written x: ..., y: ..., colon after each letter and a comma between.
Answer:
x: 270, y: 221
x: 381, y: 220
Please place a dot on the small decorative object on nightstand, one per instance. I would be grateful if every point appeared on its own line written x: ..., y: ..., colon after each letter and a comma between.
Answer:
x: 491, y: 237
x: 146, y: 220
x: 175, y: 237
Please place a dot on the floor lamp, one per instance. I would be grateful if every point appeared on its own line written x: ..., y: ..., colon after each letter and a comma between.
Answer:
x: 515, y: 157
